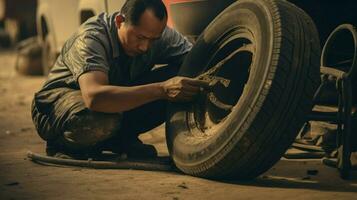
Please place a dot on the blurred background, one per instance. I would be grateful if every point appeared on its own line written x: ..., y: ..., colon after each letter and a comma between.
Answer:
x: 17, y: 21
x: 32, y: 33
x: 37, y: 29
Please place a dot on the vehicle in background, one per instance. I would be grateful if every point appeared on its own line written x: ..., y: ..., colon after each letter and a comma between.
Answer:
x: 56, y: 21
x: 17, y: 20
x: 327, y: 15
x: 55, y: 26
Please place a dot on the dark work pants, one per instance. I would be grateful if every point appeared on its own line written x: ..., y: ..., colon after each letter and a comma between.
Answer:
x: 61, y: 118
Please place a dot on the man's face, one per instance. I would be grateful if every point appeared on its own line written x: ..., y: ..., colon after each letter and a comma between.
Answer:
x: 136, y: 39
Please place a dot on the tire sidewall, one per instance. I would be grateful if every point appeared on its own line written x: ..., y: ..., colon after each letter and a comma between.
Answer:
x: 245, y: 16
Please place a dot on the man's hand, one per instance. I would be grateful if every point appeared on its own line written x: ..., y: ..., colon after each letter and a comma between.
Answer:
x: 183, y: 89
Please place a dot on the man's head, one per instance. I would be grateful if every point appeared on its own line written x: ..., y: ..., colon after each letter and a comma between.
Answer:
x: 139, y: 24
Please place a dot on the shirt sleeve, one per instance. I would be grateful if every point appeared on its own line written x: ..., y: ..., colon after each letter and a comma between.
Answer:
x: 172, y: 46
x: 87, y: 53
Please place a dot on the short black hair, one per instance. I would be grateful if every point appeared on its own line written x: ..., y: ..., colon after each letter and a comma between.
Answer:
x: 133, y: 9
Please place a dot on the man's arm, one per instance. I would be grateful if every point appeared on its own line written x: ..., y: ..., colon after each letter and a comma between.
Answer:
x: 101, y: 97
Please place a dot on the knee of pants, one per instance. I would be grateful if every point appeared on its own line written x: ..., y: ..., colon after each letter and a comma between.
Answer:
x: 89, y: 129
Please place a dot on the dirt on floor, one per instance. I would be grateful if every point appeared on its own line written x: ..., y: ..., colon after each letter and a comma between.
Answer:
x: 22, y: 179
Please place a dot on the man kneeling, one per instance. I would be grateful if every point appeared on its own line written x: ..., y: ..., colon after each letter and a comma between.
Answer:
x: 103, y: 90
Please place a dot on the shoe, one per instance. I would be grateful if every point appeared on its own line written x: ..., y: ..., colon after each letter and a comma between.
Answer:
x: 140, y: 150
x: 51, y: 148
x: 132, y: 148
x: 112, y: 144
x: 54, y: 150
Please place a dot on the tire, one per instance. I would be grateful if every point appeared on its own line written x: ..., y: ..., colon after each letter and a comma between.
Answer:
x: 245, y: 128
x: 48, y: 55
x: 28, y: 60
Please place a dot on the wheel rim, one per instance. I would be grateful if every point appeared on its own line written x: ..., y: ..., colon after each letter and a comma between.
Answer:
x: 211, y: 109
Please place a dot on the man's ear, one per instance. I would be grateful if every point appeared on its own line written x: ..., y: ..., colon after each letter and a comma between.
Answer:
x: 119, y: 19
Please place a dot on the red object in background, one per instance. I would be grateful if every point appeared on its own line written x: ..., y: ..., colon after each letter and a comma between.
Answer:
x: 167, y: 4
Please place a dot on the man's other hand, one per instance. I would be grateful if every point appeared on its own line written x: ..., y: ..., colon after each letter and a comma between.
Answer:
x: 183, y: 89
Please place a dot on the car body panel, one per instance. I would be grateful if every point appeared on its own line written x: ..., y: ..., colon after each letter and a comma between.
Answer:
x: 61, y: 25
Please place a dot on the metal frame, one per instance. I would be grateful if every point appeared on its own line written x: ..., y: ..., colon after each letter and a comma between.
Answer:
x: 345, y: 97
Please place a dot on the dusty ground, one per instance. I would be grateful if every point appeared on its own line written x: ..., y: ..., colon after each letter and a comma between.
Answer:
x: 22, y: 179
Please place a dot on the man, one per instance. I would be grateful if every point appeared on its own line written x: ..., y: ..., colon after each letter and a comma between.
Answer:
x: 102, y: 92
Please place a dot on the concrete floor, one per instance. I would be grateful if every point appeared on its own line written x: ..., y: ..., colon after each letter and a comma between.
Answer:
x: 23, y: 179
